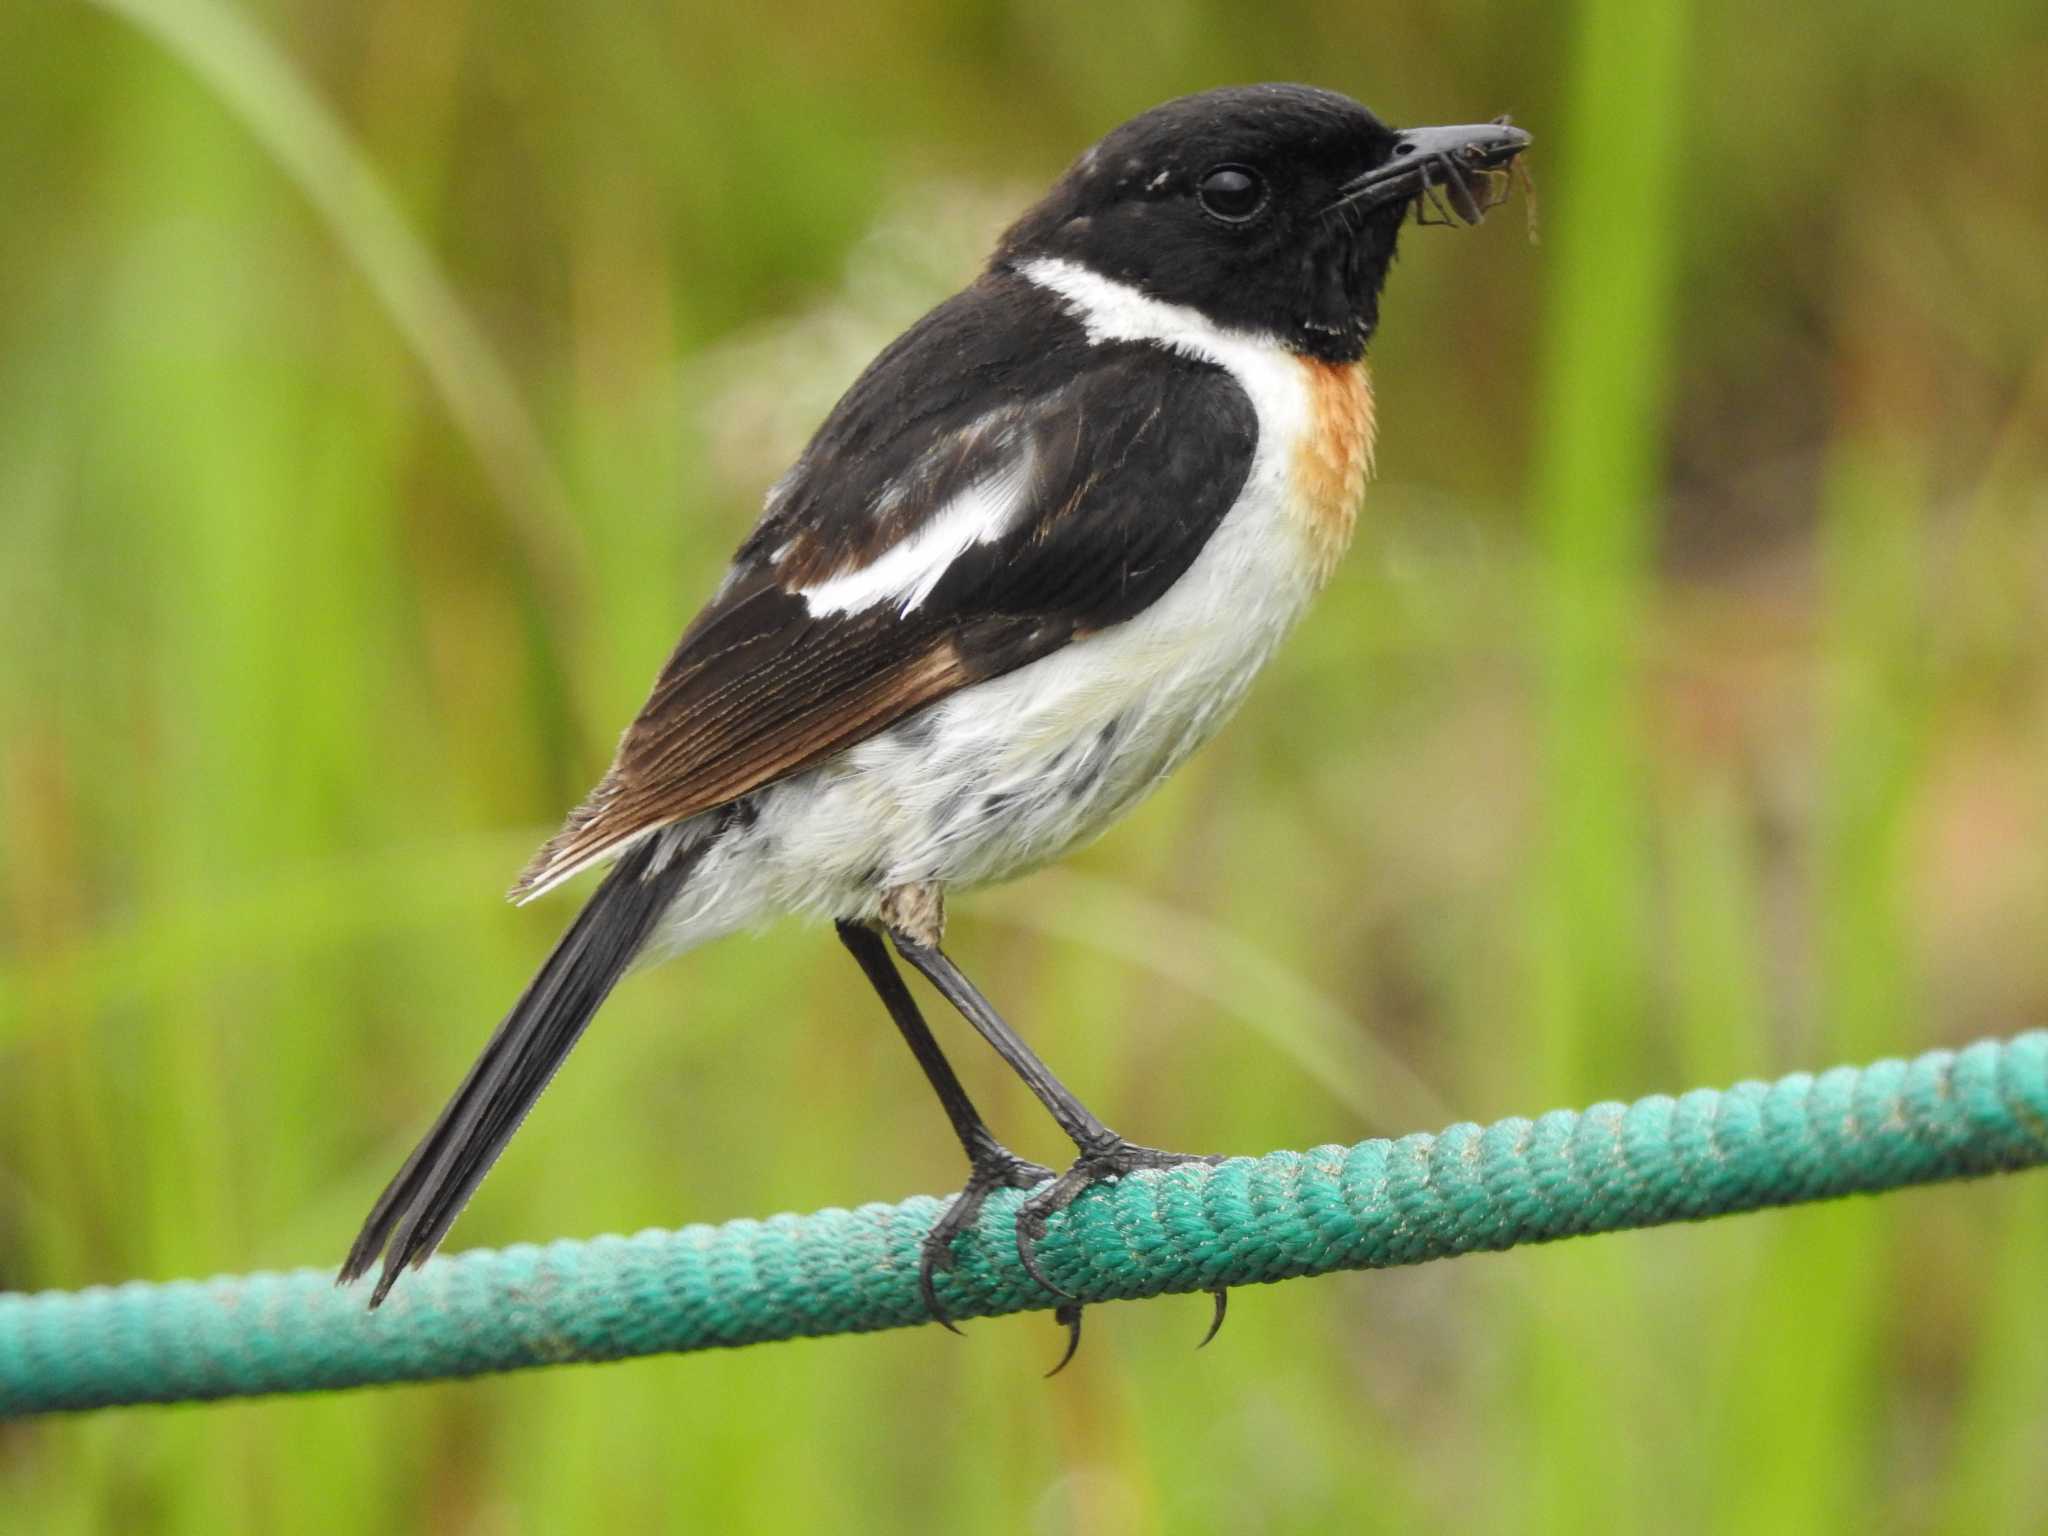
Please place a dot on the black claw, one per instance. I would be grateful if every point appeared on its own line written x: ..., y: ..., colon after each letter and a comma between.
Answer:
x: 931, y: 1297
x: 1070, y: 1316
x: 936, y: 1253
x: 1030, y: 1228
x: 1222, y: 1296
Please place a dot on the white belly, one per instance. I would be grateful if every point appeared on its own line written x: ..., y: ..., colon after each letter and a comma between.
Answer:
x: 1014, y: 773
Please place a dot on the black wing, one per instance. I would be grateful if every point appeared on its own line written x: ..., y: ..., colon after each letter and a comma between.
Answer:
x: 1103, y: 470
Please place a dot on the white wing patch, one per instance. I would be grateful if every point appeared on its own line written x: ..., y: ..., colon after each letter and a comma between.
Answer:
x: 906, y: 572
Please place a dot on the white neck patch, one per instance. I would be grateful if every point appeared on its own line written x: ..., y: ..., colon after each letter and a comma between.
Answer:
x: 1112, y: 311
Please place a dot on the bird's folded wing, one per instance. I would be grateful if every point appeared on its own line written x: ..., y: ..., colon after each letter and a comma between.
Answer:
x: 905, y: 559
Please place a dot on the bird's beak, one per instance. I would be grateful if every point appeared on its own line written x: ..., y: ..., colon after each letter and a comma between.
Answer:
x: 1449, y: 158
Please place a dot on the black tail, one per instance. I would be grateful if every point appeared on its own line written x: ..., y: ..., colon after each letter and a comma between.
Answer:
x: 420, y: 1204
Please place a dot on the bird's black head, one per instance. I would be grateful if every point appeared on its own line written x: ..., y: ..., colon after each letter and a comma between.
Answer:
x: 1270, y: 208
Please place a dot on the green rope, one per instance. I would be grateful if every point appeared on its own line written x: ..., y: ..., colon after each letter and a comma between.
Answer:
x: 1852, y: 1130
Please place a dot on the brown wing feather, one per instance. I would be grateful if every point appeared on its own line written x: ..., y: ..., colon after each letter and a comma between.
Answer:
x: 756, y: 691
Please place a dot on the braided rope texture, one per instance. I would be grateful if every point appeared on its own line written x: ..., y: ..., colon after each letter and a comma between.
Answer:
x: 1469, y: 1189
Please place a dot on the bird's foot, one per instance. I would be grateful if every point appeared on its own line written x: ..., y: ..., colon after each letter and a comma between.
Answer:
x: 1103, y: 1164
x: 1096, y: 1165
x: 992, y: 1168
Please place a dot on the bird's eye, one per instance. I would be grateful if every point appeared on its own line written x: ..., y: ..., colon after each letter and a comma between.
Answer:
x: 1233, y: 193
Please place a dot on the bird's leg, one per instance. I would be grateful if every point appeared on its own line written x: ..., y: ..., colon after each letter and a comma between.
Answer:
x: 1104, y: 1155
x: 991, y: 1165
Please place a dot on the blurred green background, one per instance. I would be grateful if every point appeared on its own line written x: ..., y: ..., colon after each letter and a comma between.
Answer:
x: 383, y: 385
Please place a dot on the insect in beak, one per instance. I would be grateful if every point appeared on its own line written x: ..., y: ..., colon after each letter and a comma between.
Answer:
x: 1458, y: 172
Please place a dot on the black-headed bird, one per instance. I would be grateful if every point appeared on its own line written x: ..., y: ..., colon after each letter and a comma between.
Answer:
x: 1031, y: 560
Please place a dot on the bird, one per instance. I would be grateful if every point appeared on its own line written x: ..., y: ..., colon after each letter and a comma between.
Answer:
x: 1031, y: 560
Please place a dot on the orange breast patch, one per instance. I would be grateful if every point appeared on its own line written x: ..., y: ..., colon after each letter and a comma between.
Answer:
x: 1333, y: 458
